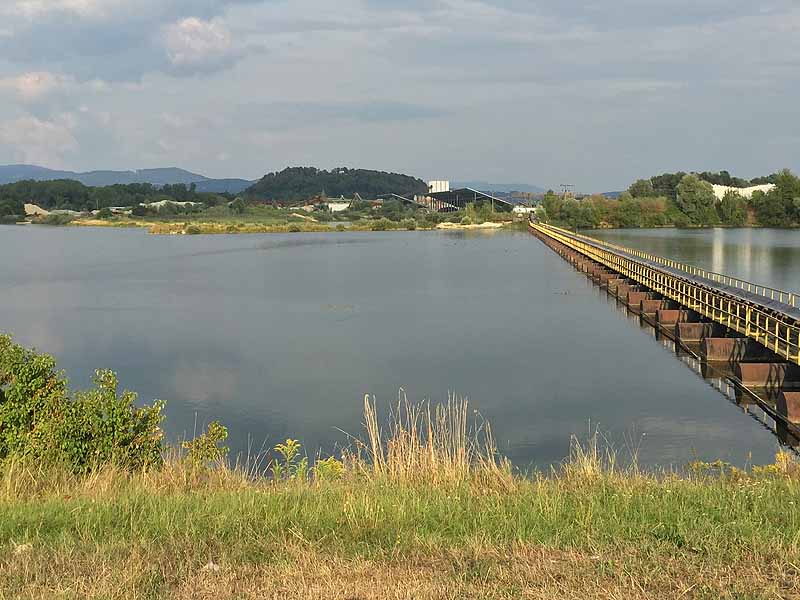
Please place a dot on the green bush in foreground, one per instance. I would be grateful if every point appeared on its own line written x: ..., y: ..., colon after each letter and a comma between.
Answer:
x: 40, y: 420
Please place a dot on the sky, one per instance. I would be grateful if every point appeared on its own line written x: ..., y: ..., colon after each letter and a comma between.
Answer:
x: 595, y: 93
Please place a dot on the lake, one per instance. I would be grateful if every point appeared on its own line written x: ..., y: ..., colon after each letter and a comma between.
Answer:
x: 282, y: 335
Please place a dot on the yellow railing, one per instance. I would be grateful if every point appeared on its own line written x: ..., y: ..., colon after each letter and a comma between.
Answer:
x: 789, y: 298
x: 779, y: 333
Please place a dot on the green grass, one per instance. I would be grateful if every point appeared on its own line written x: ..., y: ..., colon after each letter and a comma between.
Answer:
x: 423, y: 509
x: 168, y: 526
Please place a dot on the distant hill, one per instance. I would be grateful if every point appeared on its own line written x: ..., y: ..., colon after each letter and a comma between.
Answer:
x: 221, y: 186
x: 301, y: 183
x: 14, y: 173
x: 485, y: 186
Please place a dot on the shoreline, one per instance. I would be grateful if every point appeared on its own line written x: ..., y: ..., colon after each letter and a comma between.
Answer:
x: 216, y: 228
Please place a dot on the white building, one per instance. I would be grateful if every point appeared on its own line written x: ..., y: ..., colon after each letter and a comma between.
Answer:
x: 438, y: 186
x: 338, y: 206
x: 519, y: 209
x: 721, y: 190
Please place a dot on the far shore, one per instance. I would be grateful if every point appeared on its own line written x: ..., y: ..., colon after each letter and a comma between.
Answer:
x: 204, y: 228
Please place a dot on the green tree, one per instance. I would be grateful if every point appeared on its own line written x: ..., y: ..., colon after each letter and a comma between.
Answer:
x: 733, y: 209
x: 237, y: 206
x: 552, y: 203
x: 696, y: 200
x: 629, y: 212
x: 642, y: 188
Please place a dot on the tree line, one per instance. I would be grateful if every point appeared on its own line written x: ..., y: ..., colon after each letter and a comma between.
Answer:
x: 683, y: 200
x: 302, y: 183
x: 66, y: 194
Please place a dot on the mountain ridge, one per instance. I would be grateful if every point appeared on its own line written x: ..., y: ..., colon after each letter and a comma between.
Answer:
x: 485, y: 186
x: 101, y: 178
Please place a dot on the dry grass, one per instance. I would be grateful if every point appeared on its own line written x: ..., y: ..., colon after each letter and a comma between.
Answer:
x: 431, y: 445
x: 523, y: 571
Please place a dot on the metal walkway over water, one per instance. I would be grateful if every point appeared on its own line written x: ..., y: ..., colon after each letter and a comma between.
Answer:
x: 751, y: 329
x: 768, y: 316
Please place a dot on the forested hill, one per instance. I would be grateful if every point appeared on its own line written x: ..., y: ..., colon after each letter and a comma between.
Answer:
x: 301, y: 183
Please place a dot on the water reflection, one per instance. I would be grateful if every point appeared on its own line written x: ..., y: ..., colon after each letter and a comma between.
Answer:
x: 282, y: 335
x: 770, y: 257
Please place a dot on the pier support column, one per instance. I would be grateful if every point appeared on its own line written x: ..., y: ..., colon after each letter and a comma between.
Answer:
x: 697, y: 332
x: 651, y: 306
x: 669, y: 317
x: 732, y: 349
x: 789, y: 406
x: 613, y: 284
x: 635, y: 298
x: 769, y: 375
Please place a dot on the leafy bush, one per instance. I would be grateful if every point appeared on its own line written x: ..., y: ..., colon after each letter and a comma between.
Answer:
x: 409, y: 224
x: 208, y: 447
x: 295, y: 228
x: 432, y: 219
x: 382, y: 224
x: 39, y: 419
x: 328, y: 469
x: 55, y: 220
x: 193, y: 230
x: 237, y: 207
x: 105, y: 213
x: 466, y: 221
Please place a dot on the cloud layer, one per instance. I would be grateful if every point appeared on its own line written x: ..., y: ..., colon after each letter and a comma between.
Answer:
x: 587, y: 92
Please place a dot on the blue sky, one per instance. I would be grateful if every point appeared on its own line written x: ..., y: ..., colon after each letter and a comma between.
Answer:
x: 594, y: 93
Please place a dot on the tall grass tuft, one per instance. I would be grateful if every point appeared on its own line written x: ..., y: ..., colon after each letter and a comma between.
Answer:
x: 440, y: 444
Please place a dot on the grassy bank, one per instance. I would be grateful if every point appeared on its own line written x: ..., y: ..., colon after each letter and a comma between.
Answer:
x: 582, y: 534
x: 424, y: 514
x: 94, y: 505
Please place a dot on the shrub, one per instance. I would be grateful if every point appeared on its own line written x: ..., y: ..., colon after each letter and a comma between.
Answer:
x: 434, y: 218
x: 328, y: 469
x: 340, y: 227
x: 466, y: 221
x: 290, y: 465
x: 382, y: 224
x: 295, y: 228
x: 192, y: 230
x: 105, y: 213
x: 39, y: 420
x: 55, y: 220
x: 409, y: 224
x: 208, y: 447
x: 238, y: 206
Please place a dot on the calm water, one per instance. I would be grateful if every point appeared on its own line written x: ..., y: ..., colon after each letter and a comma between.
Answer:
x: 282, y: 335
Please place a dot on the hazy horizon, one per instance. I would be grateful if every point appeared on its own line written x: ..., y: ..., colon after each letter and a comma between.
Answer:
x: 591, y: 94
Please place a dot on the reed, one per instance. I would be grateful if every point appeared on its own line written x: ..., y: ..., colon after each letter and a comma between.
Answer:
x: 444, y: 443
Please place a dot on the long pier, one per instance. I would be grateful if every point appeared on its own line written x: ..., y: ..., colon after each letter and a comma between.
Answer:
x: 749, y: 331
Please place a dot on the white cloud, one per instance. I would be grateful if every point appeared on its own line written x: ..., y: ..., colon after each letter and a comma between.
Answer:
x: 34, y: 85
x: 194, y: 43
x: 83, y: 8
x: 37, y: 141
